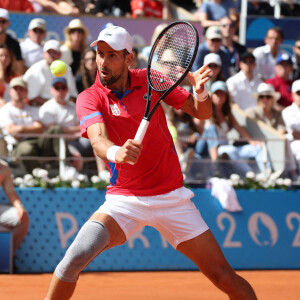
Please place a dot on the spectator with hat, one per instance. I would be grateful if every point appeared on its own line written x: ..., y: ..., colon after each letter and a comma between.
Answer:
x: 59, y: 112
x: 291, y: 117
x: 243, y: 84
x: 282, y: 82
x: 212, y: 44
x: 11, y: 43
x: 266, y: 55
x: 264, y: 110
x: 213, y: 60
x: 32, y: 46
x: 75, y: 43
x: 39, y: 77
x: 17, y: 117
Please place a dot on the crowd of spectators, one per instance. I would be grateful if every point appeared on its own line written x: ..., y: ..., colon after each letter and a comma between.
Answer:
x: 47, y: 104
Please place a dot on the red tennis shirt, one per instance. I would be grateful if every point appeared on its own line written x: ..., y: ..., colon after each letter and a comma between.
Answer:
x: 158, y: 169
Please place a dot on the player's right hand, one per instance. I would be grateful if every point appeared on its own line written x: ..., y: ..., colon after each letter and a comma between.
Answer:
x: 129, y: 152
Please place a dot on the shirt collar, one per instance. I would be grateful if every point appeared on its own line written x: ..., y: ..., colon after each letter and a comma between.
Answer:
x: 135, y: 80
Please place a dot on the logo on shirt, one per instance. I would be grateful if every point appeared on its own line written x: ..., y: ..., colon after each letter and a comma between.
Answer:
x: 115, y: 109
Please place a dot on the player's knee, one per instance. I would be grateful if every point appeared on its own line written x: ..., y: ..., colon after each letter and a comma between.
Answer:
x: 91, y: 240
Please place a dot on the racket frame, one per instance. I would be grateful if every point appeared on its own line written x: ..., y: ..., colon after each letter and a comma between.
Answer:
x: 148, y: 115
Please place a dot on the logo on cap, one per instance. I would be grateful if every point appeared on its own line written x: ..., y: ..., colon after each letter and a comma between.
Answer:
x: 107, y: 34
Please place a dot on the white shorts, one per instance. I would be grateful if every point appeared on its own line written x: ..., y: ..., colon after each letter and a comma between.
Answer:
x: 173, y: 214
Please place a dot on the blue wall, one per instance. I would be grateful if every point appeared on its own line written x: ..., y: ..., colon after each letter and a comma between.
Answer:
x: 265, y: 235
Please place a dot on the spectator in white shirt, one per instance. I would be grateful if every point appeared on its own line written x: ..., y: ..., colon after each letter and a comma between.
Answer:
x: 244, y: 84
x: 59, y: 111
x: 291, y: 117
x: 39, y: 77
x: 32, y: 46
x: 266, y: 55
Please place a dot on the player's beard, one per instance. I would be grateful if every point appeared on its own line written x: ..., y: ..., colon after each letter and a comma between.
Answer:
x: 113, y: 79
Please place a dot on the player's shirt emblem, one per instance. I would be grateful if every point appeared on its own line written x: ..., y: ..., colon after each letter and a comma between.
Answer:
x: 115, y: 109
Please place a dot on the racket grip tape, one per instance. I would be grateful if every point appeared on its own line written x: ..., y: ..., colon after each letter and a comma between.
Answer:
x: 139, y: 136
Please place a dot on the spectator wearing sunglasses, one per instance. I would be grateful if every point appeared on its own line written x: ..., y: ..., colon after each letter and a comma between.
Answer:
x: 60, y: 113
x: 291, y: 117
x: 75, y: 43
x: 214, y: 62
x: 212, y: 44
x: 244, y: 84
x: 6, y: 39
x: 296, y: 59
x: 32, y: 46
x: 282, y: 82
x: 234, y: 49
x: 264, y: 109
x: 265, y: 112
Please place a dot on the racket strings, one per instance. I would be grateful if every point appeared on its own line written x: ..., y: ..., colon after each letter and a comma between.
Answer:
x: 172, y: 55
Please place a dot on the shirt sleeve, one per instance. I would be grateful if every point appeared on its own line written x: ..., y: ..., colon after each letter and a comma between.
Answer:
x: 89, y: 110
x: 177, y: 97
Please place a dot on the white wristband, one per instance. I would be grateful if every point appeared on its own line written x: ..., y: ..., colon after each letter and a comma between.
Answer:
x: 111, y: 153
x: 201, y: 97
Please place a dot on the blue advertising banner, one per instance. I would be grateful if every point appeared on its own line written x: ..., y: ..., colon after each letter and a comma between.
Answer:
x: 265, y: 235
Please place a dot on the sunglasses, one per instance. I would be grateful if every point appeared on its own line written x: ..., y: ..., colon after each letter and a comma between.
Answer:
x: 298, y: 93
x: 38, y: 30
x: 265, y: 96
x: 228, y: 25
x: 60, y: 87
x: 76, y: 30
x: 3, y: 21
x: 213, y: 66
x: 216, y: 40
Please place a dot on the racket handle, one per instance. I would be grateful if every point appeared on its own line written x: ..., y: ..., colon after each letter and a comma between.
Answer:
x: 139, y: 136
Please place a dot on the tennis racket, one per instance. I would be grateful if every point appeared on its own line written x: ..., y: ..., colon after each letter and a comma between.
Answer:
x: 171, y: 58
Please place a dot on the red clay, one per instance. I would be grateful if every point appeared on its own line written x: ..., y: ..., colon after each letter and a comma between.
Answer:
x: 187, y: 285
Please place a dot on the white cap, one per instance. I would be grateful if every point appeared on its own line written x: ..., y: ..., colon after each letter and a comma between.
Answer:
x: 116, y: 37
x: 212, y: 58
x: 296, y: 86
x: 37, y: 23
x: 267, y: 89
x: 213, y: 32
x: 52, y: 44
x: 4, y: 14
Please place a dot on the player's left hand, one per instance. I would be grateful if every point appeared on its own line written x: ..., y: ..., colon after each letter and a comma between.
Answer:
x: 199, y: 78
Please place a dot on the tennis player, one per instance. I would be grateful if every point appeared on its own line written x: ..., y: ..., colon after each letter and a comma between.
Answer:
x: 146, y: 181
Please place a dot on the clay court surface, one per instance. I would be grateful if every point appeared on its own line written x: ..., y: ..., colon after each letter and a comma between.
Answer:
x: 269, y: 285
